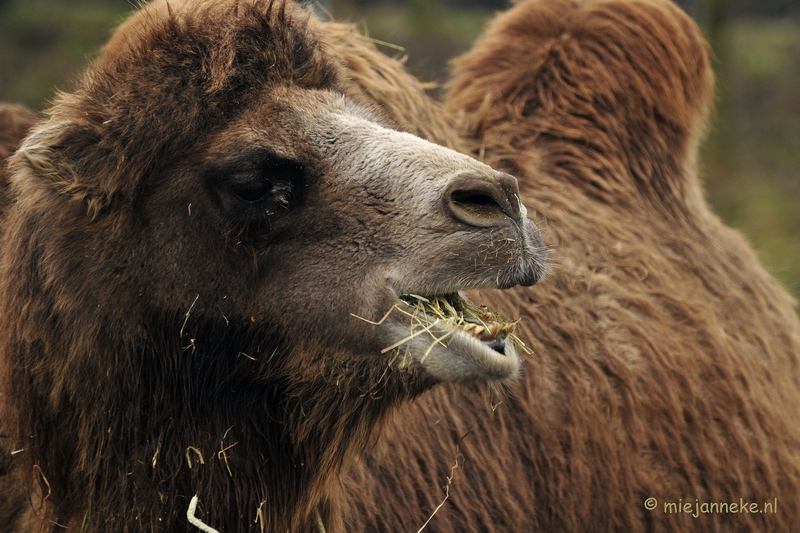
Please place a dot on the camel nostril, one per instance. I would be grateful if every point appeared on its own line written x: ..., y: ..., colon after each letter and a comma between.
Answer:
x: 483, y: 202
x: 476, y: 207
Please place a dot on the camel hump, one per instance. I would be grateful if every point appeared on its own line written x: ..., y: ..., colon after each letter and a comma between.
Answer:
x: 618, y: 89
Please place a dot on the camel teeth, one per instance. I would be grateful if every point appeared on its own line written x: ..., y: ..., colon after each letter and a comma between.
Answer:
x: 475, y: 329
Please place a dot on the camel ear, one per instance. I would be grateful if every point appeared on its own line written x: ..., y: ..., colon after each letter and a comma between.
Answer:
x: 15, y: 122
x: 627, y: 83
x: 68, y: 159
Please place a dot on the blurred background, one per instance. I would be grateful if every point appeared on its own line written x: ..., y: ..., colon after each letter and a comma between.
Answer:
x: 750, y: 161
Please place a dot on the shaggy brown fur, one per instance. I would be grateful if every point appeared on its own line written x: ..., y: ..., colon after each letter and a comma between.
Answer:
x: 189, y: 237
x: 15, y: 121
x: 666, y: 361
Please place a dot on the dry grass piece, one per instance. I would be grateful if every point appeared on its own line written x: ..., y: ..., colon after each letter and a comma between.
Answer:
x: 481, y: 322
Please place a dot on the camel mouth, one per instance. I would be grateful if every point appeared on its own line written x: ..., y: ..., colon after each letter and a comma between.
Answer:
x: 459, y: 313
x: 455, y: 340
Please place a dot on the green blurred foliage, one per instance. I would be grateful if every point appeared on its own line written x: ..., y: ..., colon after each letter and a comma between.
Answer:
x: 44, y: 45
x: 750, y: 162
x: 424, y: 32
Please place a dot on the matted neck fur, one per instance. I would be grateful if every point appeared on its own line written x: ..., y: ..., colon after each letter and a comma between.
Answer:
x: 204, y: 259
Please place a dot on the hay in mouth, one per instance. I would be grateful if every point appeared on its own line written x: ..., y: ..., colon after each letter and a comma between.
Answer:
x: 461, y: 314
x: 458, y: 316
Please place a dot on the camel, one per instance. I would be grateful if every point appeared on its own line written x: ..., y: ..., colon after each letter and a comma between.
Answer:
x: 223, y: 267
x: 663, y: 365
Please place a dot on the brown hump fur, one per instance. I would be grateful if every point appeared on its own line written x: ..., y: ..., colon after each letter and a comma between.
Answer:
x: 666, y: 361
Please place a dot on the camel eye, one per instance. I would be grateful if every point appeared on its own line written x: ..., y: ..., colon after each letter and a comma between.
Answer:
x: 272, y: 184
x: 256, y: 188
x: 252, y: 192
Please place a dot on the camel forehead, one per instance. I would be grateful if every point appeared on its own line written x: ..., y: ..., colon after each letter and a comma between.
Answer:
x: 178, y: 72
x: 223, y: 46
